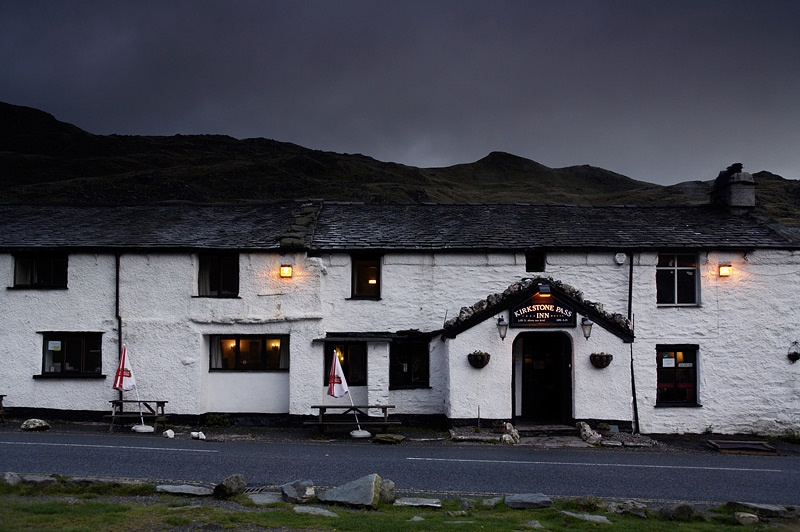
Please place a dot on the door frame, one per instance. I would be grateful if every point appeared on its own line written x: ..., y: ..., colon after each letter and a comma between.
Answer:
x: 566, y: 397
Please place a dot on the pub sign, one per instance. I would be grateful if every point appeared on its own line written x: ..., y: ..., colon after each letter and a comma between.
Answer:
x: 540, y: 311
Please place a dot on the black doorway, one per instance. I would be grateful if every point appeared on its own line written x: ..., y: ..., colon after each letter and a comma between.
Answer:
x: 546, y: 378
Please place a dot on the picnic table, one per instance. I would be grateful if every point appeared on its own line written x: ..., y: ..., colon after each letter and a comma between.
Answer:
x: 337, y: 415
x: 144, y: 409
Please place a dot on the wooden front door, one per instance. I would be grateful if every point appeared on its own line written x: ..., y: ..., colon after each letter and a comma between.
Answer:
x: 546, y: 378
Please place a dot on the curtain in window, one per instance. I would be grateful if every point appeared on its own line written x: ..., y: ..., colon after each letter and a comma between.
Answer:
x: 216, y: 353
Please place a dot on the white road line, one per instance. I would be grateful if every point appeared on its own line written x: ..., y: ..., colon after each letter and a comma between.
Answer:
x: 110, y: 447
x: 584, y: 464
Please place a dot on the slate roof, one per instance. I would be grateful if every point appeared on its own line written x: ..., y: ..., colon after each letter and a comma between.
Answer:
x: 356, y: 227
x: 351, y: 227
x: 173, y: 226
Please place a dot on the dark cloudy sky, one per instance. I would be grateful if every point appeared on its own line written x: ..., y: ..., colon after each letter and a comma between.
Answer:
x: 659, y: 90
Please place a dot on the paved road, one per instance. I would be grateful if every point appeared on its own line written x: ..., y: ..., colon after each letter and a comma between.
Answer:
x: 416, y: 468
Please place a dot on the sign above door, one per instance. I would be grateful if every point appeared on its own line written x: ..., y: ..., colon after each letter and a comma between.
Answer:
x: 539, y: 311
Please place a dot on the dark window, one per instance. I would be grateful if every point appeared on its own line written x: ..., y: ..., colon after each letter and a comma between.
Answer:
x: 534, y: 261
x: 40, y: 271
x: 219, y: 275
x: 366, y: 277
x: 409, y: 365
x: 250, y: 352
x: 70, y: 353
x: 677, y: 280
x: 677, y: 374
x: 353, y: 358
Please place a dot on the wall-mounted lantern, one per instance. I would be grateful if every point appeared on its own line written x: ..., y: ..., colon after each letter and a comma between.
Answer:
x: 544, y: 290
x: 502, y: 327
x: 725, y: 270
x: 286, y: 271
x: 794, y: 352
x: 586, y: 327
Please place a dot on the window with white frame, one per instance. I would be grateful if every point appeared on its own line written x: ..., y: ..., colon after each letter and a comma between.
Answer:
x: 40, y: 270
x: 218, y: 275
x: 249, y: 352
x: 677, y: 279
x: 70, y: 354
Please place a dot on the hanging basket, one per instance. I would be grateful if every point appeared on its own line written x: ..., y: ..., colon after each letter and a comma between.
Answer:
x: 600, y: 360
x: 478, y: 359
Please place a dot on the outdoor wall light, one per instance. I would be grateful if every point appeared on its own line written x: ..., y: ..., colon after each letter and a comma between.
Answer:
x: 725, y: 270
x: 502, y: 327
x: 794, y: 352
x: 586, y: 327
x: 286, y: 271
x: 544, y: 290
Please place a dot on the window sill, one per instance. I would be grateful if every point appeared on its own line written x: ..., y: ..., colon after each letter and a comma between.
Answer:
x: 678, y: 305
x: 59, y: 376
x: 217, y: 297
x: 678, y: 405
x: 363, y: 298
x: 227, y: 370
x: 34, y: 287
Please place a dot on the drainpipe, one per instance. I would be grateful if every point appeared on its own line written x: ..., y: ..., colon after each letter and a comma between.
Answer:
x: 119, y: 317
x: 630, y: 320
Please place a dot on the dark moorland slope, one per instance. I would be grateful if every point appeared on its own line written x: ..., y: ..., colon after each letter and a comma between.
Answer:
x: 43, y: 160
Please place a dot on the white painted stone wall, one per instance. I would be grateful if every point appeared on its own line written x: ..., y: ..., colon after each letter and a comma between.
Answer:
x: 743, y: 327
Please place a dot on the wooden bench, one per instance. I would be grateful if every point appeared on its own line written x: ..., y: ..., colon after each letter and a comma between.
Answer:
x: 145, y: 409
x: 346, y: 415
x: 2, y: 410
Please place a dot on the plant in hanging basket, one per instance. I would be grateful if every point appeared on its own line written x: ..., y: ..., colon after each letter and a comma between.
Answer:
x: 478, y: 359
x: 600, y: 360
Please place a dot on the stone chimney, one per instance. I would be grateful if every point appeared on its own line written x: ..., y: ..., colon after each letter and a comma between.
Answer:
x: 734, y: 190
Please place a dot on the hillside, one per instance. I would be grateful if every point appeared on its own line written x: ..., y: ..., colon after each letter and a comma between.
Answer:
x: 43, y: 160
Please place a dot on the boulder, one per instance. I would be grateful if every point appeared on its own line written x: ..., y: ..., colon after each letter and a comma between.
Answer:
x: 313, y: 510
x: 185, y: 489
x: 388, y: 438
x: 746, y: 519
x: 418, y: 502
x: 679, y: 512
x: 35, y: 424
x: 588, y: 434
x: 589, y: 517
x: 525, y: 501
x: 627, y: 507
x: 231, y: 486
x: 298, y: 492
x: 11, y: 479
x: 761, y: 510
x: 40, y: 480
x: 387, y: 491
x: 169, y: 433
x: 363, y: 493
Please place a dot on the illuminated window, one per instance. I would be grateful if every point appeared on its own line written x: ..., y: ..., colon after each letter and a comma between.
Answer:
x: 40, y: 271
x: 677, y: 280
x: 218, y: 275
x: 677, y: 375
x: 366, y: 281
x: 249, y: 352
x: 353, y: 358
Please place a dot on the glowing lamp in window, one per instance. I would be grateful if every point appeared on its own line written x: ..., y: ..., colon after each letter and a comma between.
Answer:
x: 286, y: 271
x: 725, y: 270
x: 372, y: 281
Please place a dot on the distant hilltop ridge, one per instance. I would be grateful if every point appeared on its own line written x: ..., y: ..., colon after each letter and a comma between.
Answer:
x: 44, y: 160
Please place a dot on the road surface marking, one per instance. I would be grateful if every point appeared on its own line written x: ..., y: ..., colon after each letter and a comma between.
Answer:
x: 583, y: 464
x: 110, y: 447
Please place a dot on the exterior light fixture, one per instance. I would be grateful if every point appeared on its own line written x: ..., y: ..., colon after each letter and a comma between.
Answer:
x: 502, y: 327
x: 286, y: 271
x: 725, y: 270
x: 586, y: 327
x: 544, y: 290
